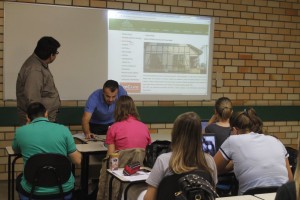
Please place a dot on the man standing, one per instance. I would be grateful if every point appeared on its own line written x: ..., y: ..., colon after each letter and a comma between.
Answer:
x: 99, y: 110
x: 43, y: 136
x: 35, y: 82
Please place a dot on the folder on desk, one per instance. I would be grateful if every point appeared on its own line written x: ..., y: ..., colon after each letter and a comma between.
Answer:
x: 81, y: 137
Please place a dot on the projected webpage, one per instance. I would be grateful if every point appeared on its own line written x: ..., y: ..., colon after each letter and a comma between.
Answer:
x: 159, y: 54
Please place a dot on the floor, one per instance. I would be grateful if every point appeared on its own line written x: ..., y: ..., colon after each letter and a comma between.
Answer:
x: 4, y: 191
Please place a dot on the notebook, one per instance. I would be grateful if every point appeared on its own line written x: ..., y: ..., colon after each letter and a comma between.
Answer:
x: 209, y: 143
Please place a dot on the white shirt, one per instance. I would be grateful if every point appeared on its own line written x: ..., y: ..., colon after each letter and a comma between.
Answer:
x: 259, y: 160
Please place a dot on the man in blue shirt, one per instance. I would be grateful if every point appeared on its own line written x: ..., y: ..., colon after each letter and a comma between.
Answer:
x: 99, y: 110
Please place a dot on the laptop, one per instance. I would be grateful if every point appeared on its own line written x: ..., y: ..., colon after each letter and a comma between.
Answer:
x: 203, y: 125
x: 209, y: 143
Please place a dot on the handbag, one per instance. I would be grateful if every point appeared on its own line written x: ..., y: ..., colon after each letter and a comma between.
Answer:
x: 195, y: 187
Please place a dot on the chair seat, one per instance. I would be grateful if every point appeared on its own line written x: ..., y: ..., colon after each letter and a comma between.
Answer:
x: 261, y: 190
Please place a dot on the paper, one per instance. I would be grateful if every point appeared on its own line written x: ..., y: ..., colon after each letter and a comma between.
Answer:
x: 81, y: 137
x: 139, y: 176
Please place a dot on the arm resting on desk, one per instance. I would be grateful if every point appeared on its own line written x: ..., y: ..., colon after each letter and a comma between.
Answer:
x: 221, y: 163
x: 75, y: 158
x: 85, y: 122
x: 151, y: 193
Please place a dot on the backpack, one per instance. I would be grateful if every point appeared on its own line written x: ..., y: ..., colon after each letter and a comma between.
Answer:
x: 154, y: 149
x: 195, y: 187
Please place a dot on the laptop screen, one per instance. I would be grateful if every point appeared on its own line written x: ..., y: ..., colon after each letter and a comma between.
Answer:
x: 209, y: 143
x: 203, y: 124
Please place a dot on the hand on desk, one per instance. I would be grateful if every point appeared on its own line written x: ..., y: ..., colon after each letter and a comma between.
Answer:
x: 90, y: 136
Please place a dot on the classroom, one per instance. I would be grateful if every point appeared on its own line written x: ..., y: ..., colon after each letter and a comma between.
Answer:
x: 256, y: 63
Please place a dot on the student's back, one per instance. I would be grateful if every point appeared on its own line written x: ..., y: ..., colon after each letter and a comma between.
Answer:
x: 219, y: 122
x: 258, y: 159
x: 221, y: 133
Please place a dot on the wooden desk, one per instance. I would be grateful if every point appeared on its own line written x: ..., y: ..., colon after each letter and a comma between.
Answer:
x: 91, y: 148
x: 266, y: 196
x: 139, y: 177
x: 242, y: 197
x: 11, y: 170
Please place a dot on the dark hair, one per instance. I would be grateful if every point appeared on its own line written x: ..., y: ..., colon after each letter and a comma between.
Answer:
x: 257, y: 123
x: 46, y: 47
x: 111, y: 84
x: 125, y: 107
x: 35, y: 110
x: 247, y: 120
x: 223, y: 107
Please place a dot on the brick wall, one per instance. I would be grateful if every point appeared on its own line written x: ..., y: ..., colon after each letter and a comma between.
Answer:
x: 256, y: 57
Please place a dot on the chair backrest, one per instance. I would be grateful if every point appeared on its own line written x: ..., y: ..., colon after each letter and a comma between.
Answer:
x: 47, y: 170
x: 126, y: 156
x: 261, y: 190
x: 168, y: 186
x: 293, y: 156
x: 154, y: 149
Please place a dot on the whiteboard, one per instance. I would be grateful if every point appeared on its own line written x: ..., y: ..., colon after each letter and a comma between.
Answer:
x: 80, y: 67
x: 154, y: 56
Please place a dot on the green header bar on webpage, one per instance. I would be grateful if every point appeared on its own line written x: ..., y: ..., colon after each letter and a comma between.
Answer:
x: 158, y: 27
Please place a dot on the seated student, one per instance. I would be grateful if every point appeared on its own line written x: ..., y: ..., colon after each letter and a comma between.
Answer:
x: 129, y: 134
x: 186, y: 154
x: 127, y: 131
x: 259, y: 160
x: 291, y: 189
x: 219, y: 122
x: 42, y: 136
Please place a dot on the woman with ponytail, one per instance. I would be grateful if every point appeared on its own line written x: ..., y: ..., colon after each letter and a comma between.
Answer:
x: 259, y: 160
x: 219, y: 122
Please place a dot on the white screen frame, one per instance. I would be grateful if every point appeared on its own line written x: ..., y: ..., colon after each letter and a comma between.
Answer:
x: 81, y: 66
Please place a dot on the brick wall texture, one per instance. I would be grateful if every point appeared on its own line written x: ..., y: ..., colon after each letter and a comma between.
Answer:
x: 256, y: 56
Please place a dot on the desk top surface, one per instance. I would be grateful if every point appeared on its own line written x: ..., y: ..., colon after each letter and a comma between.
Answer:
x: 266, y: 196
x: 10, y: 151
x: 242, y: 197
x: 81, y: 137
x: 91, y: 147
x: 138, y: 176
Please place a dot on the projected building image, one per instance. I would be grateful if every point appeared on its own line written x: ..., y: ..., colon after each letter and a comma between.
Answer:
x: 174, y: 58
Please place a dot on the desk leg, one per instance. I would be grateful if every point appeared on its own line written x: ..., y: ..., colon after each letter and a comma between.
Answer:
x: 9, y: 176
x: 84, y: 174
x: 110, y: 187
x: 13, y: 177
x: 126, y: 190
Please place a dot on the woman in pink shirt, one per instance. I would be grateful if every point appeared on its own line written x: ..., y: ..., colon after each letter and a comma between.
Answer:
x: 127, y: 131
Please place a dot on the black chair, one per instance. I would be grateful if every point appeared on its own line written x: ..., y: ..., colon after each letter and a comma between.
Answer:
x: 169, y: 186
x: 47, y: 170
x: 227, y: 185
x: 261, y: 190
x: 293, y: 156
